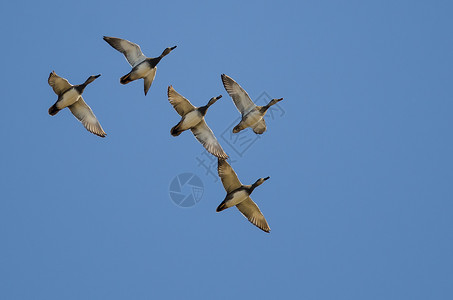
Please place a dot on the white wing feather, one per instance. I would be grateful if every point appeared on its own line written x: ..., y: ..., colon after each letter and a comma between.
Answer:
x: 85, y: 115
x: 131, y: 51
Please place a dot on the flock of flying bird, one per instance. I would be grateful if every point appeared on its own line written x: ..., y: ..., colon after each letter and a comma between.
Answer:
x: 192, y: 118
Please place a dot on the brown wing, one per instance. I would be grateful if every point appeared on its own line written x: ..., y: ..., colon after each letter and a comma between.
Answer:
x: 251, y: 211
x: 58, y: 84
x: 240, y: 97
x: 84, y: 114
x: 229, y: 178
x: 180, y: 104
x: 206, y: 137
x: 259, y: 127
x: 131, y: 51
x: 149, y: 79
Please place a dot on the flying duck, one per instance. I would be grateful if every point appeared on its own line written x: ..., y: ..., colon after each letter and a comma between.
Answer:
x: 142, y: 66
x: 193, y: 118
x: 239, y: 195
x: 252, y: 115
x: 71, y: 96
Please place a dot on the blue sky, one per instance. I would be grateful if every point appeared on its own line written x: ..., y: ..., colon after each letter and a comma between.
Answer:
x: 360, y: 195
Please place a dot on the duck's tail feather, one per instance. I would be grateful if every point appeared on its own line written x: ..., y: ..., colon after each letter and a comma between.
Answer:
x: 175, y: 130
x: 125, y: 79
x: 221, y: 207
x: 53, y: 110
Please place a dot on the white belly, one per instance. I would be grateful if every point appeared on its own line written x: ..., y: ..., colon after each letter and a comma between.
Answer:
x: 252, y: 118
x: 190, y: 120
x: 238, y: 197
x: 141, y: 71
x: 68, y: 98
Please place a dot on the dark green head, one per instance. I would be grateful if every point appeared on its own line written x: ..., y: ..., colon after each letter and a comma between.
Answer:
x: 167, y: 51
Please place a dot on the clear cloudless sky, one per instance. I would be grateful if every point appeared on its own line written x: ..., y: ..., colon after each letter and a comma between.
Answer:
x: 360, y: 156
